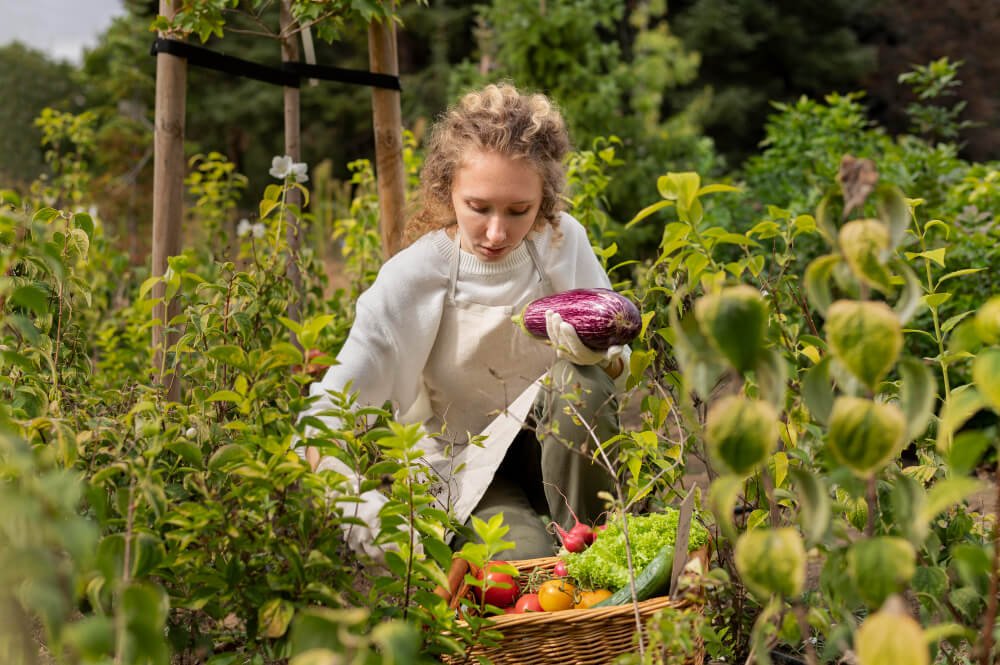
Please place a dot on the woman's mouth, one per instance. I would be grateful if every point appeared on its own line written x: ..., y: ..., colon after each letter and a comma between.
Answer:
x: 492, y: 252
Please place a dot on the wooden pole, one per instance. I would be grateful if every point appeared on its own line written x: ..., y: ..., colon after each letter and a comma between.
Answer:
x: 168, y: 198
x: 388, y: 123
x: 293, y: 148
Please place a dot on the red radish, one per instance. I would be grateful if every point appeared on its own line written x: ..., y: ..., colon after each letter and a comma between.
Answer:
x: 573, y: 542
x: 528, y: 603
x: 580, y: 536
x: 559, y: 570
x: 601, y: 317
x: 584, y: 531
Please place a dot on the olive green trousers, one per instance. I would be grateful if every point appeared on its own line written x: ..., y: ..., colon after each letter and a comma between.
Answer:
x: 549, y: 469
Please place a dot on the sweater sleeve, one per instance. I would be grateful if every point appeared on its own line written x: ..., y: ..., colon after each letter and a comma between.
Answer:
x: 381, y: 361
x: 575, y: 266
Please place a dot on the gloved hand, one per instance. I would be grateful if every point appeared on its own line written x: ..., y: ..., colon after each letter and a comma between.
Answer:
x: 568, y: 345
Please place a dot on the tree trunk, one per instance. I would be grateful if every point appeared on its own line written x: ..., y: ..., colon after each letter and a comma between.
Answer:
x: 168, y: 199
x: 388, y: 137
x: 293, y: 148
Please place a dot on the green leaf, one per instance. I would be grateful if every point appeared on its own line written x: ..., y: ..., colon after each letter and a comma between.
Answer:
x: 647, y: 211
x: 959, y: 407
x: 910, y: 299
x: 147, y: 553
x: 935, y: 300
x: 817, y: 391
x: 45, y: 215
x: 935, y: 255
x: 947, y: 492
x: 817, y: 281
x: 266, y: 207
x: 93, y: 637
x: 986, y: 375
x: 225, y: 396
x: 917, y: 394
x: 712, y: 189
x: 145, y: 609
x: 148, y: 284
x: 274, y: 616
x: 226, y: 456
x: 954, y: 321
x: 934, y: 635
x: 680, y: 187
x: 722, y: 496
x: 32, y: 297
x: 893, y: 210
x: 399, y: 641
x: 967, y: 450
x: 824, y: 220
x: 229, y: 354
x: 771, y: 373
x: 958, y: 273
x: 766, y: 229
x: 803, y: 224
x: 814, y: 505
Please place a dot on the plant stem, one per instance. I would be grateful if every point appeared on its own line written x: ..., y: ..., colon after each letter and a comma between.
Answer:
x: 772, y: 505
x: 986, y: 644
x: 628, y: 543
x: 126, y: 576
x: 871, y: 497
x: 806, y: 631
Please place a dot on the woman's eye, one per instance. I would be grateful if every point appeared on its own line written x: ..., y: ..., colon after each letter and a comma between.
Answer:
x: 476, y: 208
x: 518, y: 213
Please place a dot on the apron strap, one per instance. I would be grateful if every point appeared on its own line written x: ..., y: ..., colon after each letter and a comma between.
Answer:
x: 453, y: 273
x: 456, y: 258
x: 533, y: 253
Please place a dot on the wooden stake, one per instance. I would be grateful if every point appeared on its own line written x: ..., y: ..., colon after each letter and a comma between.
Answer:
x: 293, y: 148
x: 388, y: 136
x: 168, y: 198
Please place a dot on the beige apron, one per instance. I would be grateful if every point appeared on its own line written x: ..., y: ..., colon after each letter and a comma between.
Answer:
x: 481, y: 379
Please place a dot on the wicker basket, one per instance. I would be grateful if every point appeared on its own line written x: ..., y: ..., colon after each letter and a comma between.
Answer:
x: 570, y: 637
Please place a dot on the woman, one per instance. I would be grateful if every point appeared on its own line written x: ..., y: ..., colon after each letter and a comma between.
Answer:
x: 434, y: 335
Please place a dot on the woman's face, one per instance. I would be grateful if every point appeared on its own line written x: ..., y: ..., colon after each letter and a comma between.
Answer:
x: 496, y: 201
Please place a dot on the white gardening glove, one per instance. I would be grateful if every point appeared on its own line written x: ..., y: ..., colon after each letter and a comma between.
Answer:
x: 568, y: 345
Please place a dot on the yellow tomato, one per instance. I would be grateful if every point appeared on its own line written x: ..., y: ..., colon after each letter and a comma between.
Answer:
x: 590, y: 598
x: 556, y: 595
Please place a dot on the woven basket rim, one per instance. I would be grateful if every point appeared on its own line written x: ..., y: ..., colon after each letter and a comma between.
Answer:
x: 584, y: 615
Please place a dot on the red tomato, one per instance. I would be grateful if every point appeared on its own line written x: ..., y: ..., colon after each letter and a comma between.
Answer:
x: 528, y: 603
x: 498, y: 588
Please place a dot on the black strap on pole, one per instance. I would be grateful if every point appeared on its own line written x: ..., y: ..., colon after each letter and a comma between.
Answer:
x: 289, y: 75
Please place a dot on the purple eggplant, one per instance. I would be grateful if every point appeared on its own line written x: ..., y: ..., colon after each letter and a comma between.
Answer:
x: 601, y: 317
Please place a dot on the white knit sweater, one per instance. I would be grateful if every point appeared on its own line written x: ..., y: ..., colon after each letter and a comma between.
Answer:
x: 398, y: 316
x: 397, y: 323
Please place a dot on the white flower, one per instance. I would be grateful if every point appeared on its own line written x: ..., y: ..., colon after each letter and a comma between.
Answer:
x: 243, y: 227
x: 299, y: 171
x: 257, y: 230
x: 191, y: 433
x: 281, y: 167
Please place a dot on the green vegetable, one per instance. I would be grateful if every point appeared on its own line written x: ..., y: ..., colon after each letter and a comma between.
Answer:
x: 604, y: 565
x: 653, y: 578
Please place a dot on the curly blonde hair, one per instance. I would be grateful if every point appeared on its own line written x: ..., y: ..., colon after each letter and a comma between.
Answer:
x: 498, y: 119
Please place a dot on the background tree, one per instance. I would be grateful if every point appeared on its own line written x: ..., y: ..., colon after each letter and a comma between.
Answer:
x: 754, y: 52
x: 29, y: 82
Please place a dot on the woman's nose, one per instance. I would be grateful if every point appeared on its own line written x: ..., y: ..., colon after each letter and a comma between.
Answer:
x: 496, y: 231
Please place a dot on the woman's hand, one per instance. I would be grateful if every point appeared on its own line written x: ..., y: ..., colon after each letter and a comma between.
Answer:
x: 568, y: 346
x: 312, y: 456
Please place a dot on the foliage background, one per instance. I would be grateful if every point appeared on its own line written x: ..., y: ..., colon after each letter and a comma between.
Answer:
x: 191, y: 521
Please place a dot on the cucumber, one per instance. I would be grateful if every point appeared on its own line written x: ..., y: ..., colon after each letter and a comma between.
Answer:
x: 653, y: 578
